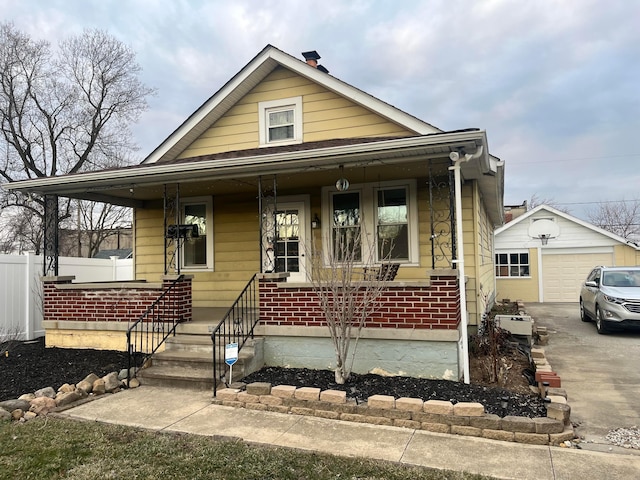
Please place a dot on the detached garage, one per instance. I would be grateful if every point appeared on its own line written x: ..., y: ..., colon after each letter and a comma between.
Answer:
x: 544, y: 255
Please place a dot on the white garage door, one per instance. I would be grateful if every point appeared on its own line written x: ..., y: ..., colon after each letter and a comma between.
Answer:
x: 563, y: 273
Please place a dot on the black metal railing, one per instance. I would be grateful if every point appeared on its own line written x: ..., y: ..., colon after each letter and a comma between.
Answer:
x: 153, y: 327
x: 236, y: 327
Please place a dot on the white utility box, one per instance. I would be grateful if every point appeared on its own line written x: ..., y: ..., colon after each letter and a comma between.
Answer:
x: 516, y: 324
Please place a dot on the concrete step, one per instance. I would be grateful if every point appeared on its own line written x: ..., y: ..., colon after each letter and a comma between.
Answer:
x: 187, y: 362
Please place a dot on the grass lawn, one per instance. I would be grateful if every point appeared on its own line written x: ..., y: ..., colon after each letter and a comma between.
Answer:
x: 53, y: 448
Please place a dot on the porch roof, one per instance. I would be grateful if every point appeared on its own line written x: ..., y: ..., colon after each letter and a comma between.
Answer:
x: 135, y: 185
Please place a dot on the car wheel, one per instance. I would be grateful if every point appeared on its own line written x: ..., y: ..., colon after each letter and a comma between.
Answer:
x: 601, y: 325
x: 583, y: 315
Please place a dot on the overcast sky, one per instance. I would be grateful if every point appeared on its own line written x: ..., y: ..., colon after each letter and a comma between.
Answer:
x: 555, y: 83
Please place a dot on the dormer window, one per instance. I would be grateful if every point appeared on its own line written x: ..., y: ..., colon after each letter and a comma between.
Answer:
x: 280, y: 121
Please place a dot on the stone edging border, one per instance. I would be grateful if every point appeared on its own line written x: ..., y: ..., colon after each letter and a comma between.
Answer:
x: 463, y: 418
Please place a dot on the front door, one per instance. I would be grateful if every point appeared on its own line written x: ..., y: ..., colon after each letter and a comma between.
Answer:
x: 290, y: 250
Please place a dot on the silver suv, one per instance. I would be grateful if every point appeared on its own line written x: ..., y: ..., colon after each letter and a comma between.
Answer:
x: 611, y: 297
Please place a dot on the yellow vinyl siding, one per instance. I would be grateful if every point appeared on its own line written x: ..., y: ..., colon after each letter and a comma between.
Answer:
x: 325, y: 116
x: 521, y: 288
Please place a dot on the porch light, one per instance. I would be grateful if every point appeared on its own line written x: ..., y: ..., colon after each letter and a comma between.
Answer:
x: 342, y: 184
x: 315, y: 221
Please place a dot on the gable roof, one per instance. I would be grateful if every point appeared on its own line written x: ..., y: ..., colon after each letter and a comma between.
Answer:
x: 250, y: 76
x: 568, y: 217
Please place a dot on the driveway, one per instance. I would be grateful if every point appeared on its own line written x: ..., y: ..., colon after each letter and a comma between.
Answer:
x: 601, y: 373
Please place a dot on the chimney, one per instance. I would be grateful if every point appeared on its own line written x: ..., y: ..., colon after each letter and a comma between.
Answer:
x: 312, y: 58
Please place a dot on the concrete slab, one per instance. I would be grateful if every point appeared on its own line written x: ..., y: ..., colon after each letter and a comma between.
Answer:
x: 571, y: 464
x: 479, y: 455
x: 249, y: 425
x: 147, y: 407
x: 347, y: 438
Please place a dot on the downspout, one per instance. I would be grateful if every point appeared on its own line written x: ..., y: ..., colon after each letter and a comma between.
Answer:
x: 457, y: 160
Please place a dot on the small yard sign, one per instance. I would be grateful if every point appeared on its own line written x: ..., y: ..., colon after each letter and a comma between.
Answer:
x: 231, y: 353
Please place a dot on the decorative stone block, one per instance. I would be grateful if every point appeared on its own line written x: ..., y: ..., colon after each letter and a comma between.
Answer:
x: 440, y: 407
x: 436, y: 427
x: 464, y: 430
x: 283, y: 391
x: 399, y: 422
x: 548, y: 425
x: 302, y: 411
x: 518, y: 424
x: 559, y: 411
x: 381, y: 401
x: 333, y: 396
x: 531, y: 438
x: 468, y: 409
x: 327, y: 414
x: 277, y: 408
x: 307, y: 393
x: 259, y: 388
x: 257, y: 406
x: 558, y: 438
x: 456, y: 419
x: 352, y: 417
x: 537, y: 352
x: 245, y: 397
x: 503, y: 435
x: 411, y: 404
x: 560, y: 392
x: 556, y: 399
x: 227, y: 394
x: 488, y: 420
x: 543, y: 370
x: 378, y: 420
x: 270, y: 400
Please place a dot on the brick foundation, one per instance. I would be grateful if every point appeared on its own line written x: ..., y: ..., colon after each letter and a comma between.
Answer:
x: 430, y: 306
x: 113, y: 301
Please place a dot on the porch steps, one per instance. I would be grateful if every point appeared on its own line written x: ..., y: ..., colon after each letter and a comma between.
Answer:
x: 187, y: 361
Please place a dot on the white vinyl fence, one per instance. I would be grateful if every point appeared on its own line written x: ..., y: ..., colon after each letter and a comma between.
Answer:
x: 21, y: 288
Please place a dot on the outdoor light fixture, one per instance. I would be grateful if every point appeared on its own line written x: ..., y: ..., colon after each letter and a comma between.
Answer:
x: 342, y: 184
x: 315, y: 222
x: 504, y: 403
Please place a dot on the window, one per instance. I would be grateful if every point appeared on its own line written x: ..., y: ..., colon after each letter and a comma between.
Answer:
x: 392, y: 224
x: 197, y: 252
x: 512, y: 264
x: 280, y: 121
x: 346, y: 228
x: 377, y: 216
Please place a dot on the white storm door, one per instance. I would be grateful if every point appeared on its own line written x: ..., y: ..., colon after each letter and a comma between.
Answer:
x: 291, y: 226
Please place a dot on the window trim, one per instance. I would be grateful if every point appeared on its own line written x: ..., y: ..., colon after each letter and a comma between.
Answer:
x: 368, y: 217
x: 208, y: 202
x: 263, y: 125
x: 508, y: 265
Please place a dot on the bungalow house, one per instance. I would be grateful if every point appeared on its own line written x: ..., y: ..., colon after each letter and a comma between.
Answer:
x: 545, y: 255
x: 282, y: 157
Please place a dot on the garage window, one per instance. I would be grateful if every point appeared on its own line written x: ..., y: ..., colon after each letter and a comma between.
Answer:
x: 513, y: 264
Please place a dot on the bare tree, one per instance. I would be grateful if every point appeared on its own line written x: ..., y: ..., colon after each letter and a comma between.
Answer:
x: 348, y: 296
x: 100, y: 222
x: 64, y: 111
x: 621, y: 218
x: 536, y: 200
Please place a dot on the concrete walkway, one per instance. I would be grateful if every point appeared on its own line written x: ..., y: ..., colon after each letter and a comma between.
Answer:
x: 172, y: 410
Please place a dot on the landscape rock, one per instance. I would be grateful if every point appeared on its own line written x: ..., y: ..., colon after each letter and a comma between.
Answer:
x: 42, y: 405
x: 91, y: 378
x: 123, y: 373
x: 85, y: 386
x: 17, y: 414
x: 4, y: 415
x: 133, y: 383
x: 98, y: 387
x: 66, y: 388
x: 11, y: 405
x: 111, y: 382
x: 67, y: 398
x: 46, y: 392
x: 27, y: 396
x: 29, y: 415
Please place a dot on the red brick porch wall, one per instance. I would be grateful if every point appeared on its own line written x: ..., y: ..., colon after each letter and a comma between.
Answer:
x: 434, y: 306
x: 113, y: 302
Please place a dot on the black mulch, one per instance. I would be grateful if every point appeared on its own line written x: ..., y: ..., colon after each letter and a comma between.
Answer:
x: 30, y: 366
x: 360, y: 387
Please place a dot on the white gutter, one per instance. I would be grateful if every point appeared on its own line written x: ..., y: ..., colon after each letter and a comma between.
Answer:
x: 457, y: 161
